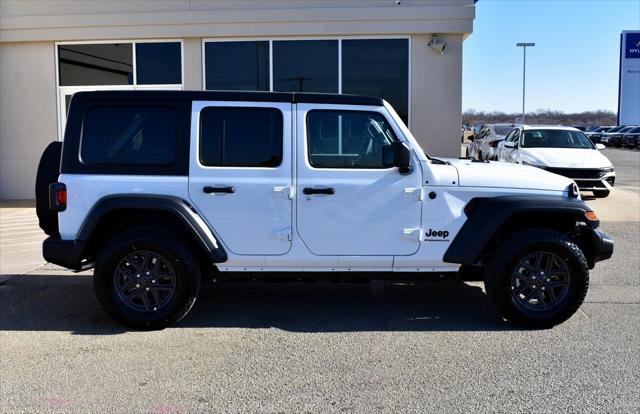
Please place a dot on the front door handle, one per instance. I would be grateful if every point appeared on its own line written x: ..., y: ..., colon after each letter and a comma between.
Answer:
x: 310, y: 191
x: 209, y: 189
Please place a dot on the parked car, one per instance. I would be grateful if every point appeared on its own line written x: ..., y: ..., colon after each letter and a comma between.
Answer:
x: 484, y: 145
x: 615, y: 139
x: 565, y: 151
x: 160, y: 191
x: 630, y: 139
x: 476, y: 140
x: 494, y: 134
x: 596, y: 134
x: 606, y: 136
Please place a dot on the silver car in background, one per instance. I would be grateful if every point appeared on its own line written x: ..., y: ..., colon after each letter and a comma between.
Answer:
x: 485, y: 146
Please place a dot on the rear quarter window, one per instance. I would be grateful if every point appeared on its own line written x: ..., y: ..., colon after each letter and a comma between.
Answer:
x: 129, y: 135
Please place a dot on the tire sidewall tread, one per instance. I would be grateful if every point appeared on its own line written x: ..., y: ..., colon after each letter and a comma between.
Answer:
x: 188, y: 277
x: 499, y: 270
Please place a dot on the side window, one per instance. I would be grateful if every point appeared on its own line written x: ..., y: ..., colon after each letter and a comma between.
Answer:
x: 129, y: 135
x: 347, y: 139
x: 241, y: 137
x: 510, y: 136
x: 516, y: 136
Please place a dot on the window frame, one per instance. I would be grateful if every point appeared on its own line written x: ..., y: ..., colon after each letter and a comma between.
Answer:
x: 63, y: 91
x: 307, y: 146
x: 338, y: 38
x: 200, y: 138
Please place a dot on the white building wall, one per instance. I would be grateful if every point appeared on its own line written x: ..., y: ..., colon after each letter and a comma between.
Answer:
x: 29, y: 30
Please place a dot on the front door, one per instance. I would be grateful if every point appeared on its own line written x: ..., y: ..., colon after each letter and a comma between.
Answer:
x: 348, y: 202
x: 240, y: 173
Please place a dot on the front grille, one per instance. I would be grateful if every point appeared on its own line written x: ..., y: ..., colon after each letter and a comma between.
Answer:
x: 574, y: 173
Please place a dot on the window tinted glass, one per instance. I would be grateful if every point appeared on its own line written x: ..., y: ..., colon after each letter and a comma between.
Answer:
x: 380, y: 68
x: 158, y: 63
x: 97, y: 64
x: 241, y: 137
x: 555, y: 138
x: 237, y: 65
x: 129, y: 135
x: 305, y: 66
x: 347, y: 139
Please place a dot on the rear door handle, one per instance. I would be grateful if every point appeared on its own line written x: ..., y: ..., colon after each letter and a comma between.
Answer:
x: 209, y: 189
x: 310, y: 191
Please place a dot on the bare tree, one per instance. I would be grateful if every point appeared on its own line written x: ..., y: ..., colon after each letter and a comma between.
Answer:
x: 541, y: 116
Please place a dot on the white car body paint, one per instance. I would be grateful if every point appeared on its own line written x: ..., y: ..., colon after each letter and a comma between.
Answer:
x: 381, y: 221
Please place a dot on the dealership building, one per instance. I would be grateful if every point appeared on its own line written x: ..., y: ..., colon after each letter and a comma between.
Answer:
x: 51, y: 49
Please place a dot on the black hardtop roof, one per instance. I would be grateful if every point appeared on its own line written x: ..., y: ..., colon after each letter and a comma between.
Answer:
x: 248, y: 96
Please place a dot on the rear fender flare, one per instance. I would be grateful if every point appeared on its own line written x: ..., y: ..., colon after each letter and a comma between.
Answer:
x: 174, y: 205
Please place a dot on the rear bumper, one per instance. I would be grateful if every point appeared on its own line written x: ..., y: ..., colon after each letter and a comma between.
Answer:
x: 600, y: 246
x: 65, y: 253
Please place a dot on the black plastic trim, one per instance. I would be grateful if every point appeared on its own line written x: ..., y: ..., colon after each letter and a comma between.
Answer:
x: 174, y: 205
x: 65, y: 253
x: 486, y: 216
x: 601, y: 246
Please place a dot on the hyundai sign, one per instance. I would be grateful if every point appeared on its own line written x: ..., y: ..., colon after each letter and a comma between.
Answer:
x: 629, y: 88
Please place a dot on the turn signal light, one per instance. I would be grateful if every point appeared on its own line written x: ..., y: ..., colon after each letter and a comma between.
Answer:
x: 591, y: 215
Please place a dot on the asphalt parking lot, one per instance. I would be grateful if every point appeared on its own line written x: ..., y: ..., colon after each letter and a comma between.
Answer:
x: 321, y: 347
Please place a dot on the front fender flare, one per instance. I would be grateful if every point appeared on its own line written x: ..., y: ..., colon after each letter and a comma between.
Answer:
x: 487, y: 215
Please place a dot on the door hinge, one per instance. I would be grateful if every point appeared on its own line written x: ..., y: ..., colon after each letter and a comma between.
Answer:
x: 414, y: 192
x: 283, y: 191
x: 412, y: 233
x: 282, y: 234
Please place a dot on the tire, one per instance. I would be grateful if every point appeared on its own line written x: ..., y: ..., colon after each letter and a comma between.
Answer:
x: 48, y: 172
x: 480, y: 156
x: 558, y: 297
x: 601, y: 193
x: 467, y: 152
x: 170, y: 292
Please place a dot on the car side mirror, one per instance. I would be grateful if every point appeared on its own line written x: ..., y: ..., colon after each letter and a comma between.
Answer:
x: 397, y: 155
x: 600, y: 146
x: 511, y: 144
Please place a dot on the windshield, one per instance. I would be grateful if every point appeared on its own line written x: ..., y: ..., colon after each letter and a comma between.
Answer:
x: 626, y: 129
x: 615, y: 129
x: 603, y: 129
x: 555, y: 138
x: 635, y: 130
x: 503, y: 129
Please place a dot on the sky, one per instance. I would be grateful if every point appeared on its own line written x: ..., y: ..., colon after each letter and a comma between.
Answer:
x: 572, y: 68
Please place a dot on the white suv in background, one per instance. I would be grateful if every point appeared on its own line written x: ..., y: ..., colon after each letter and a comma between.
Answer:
x: 561, y: 150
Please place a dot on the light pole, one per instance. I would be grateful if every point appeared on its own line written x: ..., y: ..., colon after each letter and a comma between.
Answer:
x: 524, y: 69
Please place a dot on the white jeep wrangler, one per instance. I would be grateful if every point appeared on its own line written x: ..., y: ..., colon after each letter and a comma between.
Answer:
x: 159, y: 190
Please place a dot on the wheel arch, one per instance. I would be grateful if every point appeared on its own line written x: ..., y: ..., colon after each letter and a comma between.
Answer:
x: 113, y: 214
x: 490, y: 220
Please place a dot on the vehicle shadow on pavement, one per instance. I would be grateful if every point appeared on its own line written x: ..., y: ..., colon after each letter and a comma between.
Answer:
x: 67, y: 303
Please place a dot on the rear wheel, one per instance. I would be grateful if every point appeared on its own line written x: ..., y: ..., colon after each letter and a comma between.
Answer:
x: 146, y: 279
x: 538, y: 278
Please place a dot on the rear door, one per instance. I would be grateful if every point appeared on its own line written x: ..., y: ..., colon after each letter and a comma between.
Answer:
x: 348, y: 202
x: 240, y: 173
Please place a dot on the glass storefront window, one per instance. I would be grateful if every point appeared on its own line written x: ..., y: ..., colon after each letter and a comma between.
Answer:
x: 95, y: 64
x: 305, y: 66
x: 158, y: 63
x: 378, y: 67
x: 237, y: 65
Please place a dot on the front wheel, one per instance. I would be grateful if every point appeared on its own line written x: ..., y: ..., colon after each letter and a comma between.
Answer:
x: 538, y: 278
x: 146, y: 279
